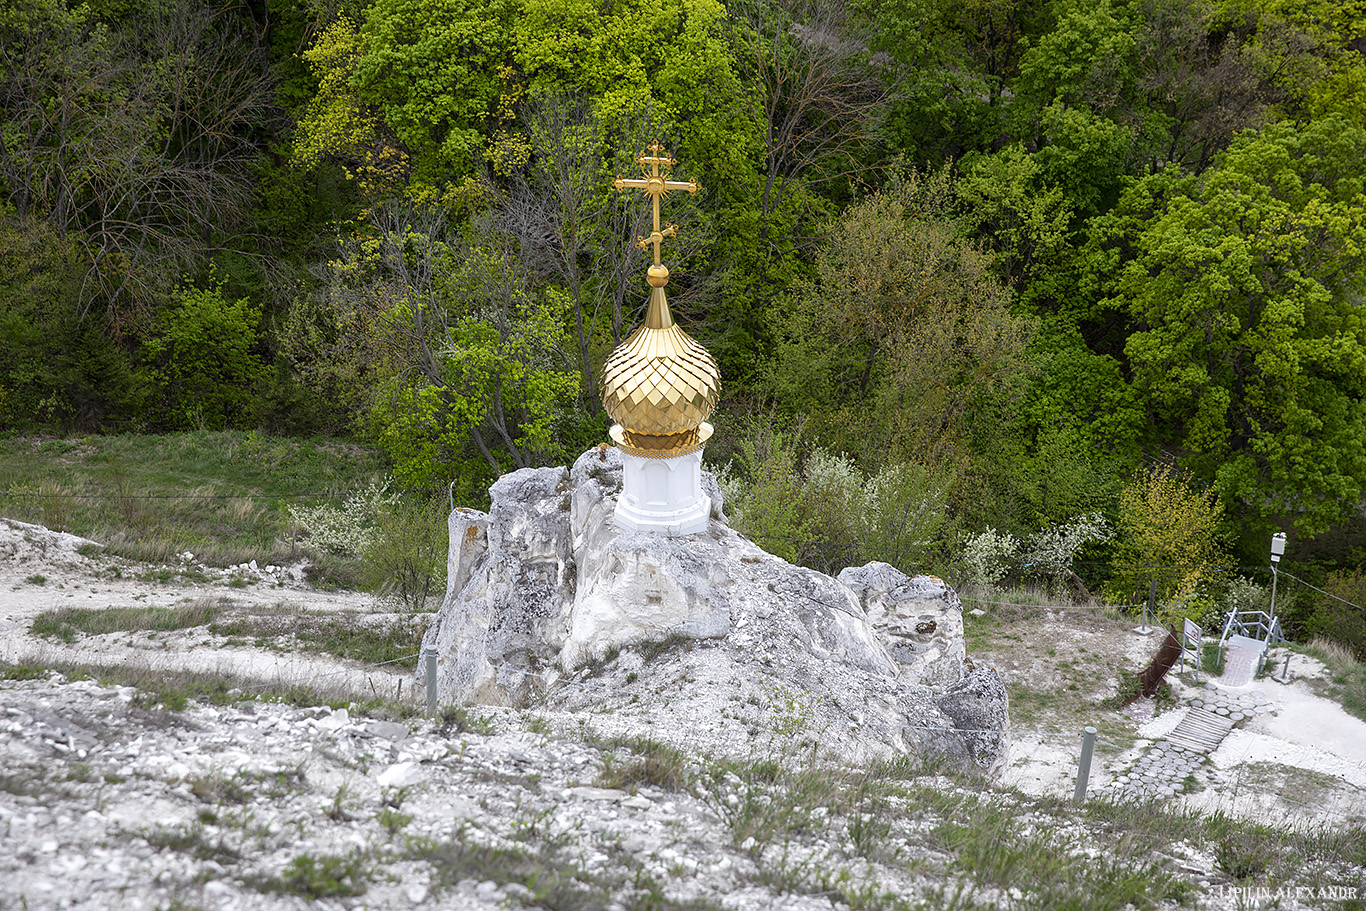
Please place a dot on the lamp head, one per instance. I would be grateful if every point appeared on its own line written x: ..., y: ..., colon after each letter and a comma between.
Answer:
x: 1277, y: 546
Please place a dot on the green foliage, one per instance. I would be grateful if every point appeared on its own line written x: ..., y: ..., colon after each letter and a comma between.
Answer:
x: 1249, y: 350
x: 491, y: 383
x: 904, y: 339
x: 57, y: 365
x: 631, y: 56
x: 406, y: 554
x: 1336, y: 616
x: 769, y: 512
x: 1008, y: 198
x: 202, y: 361
x: 429, y: 68
x: 1169, y: 533
x: 827, y: 513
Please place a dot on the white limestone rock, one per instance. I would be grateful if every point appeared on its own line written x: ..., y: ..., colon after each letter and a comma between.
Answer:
x: 510, y: 618
x: 548, y: 589
x: 920, y: 619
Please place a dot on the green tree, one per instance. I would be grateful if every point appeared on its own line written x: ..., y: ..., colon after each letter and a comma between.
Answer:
x: 405, y: 97
x: 132, y: 135
x: 464, y: 362
x: 1168, y: 532
x: 59, y: 364
x: 904, y: 339
x: 1250, y: 350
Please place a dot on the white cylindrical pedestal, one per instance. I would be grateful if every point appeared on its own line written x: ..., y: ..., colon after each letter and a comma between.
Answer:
x: 663, y: 495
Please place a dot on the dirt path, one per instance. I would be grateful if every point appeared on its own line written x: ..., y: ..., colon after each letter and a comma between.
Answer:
x: 41, y: 570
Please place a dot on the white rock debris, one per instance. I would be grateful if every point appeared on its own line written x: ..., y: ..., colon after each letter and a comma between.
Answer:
x: 108, y: 805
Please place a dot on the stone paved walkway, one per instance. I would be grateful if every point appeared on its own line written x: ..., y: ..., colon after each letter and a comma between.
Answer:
x: 1162, y: 770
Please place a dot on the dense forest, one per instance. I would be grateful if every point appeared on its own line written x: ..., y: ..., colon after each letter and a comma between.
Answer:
x: 991, y: 282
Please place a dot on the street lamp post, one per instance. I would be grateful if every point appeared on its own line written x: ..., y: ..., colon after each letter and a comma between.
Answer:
x: 1277, y: 551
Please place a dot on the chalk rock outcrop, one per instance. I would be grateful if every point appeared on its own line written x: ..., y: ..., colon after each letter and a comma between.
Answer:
x: 707, y: 638
x: 919, y: 619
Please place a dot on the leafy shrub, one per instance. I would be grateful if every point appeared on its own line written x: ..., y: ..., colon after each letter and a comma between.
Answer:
x: 1168, y: 532
x: 827, y: 513
x: 406, y: 549
x: 202, y: 360
x: 905, y: 506
x: 769, y: 511
x: 1338, y: 620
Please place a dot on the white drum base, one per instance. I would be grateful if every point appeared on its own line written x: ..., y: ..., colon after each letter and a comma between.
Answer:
x: 663, y: 495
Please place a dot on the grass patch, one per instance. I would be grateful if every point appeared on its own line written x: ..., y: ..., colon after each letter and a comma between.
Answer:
x: 222, y: 495
x: 456, y: 719
x: 1028, y: 706
x: 66, y: 622
x: 1213, y: 659
x: 346, y: 637
x: 168, y: 690
x: 195, y: 841
x: 651, y: 763
x: 553, y: 879
x: 23, y: 671
x: 1346, y: 680
x: 326, y: 876
x: 992, y: 846
x: 770, y: 802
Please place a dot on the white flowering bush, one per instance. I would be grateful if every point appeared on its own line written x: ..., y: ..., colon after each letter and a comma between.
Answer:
x: 827, y: 514
x: 836, y: 505
x: 347, y: 530
x: 1240, y: 594
x: 905, y: 508
x: 1049, y: 552
x: 987, y: 556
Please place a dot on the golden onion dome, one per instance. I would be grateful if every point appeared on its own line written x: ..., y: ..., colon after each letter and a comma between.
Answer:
x: 660, y: 385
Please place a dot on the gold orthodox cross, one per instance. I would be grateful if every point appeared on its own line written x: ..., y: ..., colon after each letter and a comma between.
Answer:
x: 656, y: 182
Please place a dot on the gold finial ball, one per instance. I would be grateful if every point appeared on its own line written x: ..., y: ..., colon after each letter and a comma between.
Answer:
x: 658, y: 276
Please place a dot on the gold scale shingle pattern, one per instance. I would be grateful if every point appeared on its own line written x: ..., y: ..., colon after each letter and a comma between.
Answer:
x: 660, y: 382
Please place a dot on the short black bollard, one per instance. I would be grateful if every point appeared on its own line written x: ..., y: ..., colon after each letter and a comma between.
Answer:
x: 1088, y: 743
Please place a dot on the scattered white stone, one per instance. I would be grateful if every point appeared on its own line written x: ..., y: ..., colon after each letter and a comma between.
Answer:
x: 400, y: 775
x: 596, y: 794
x: 334, y: 721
